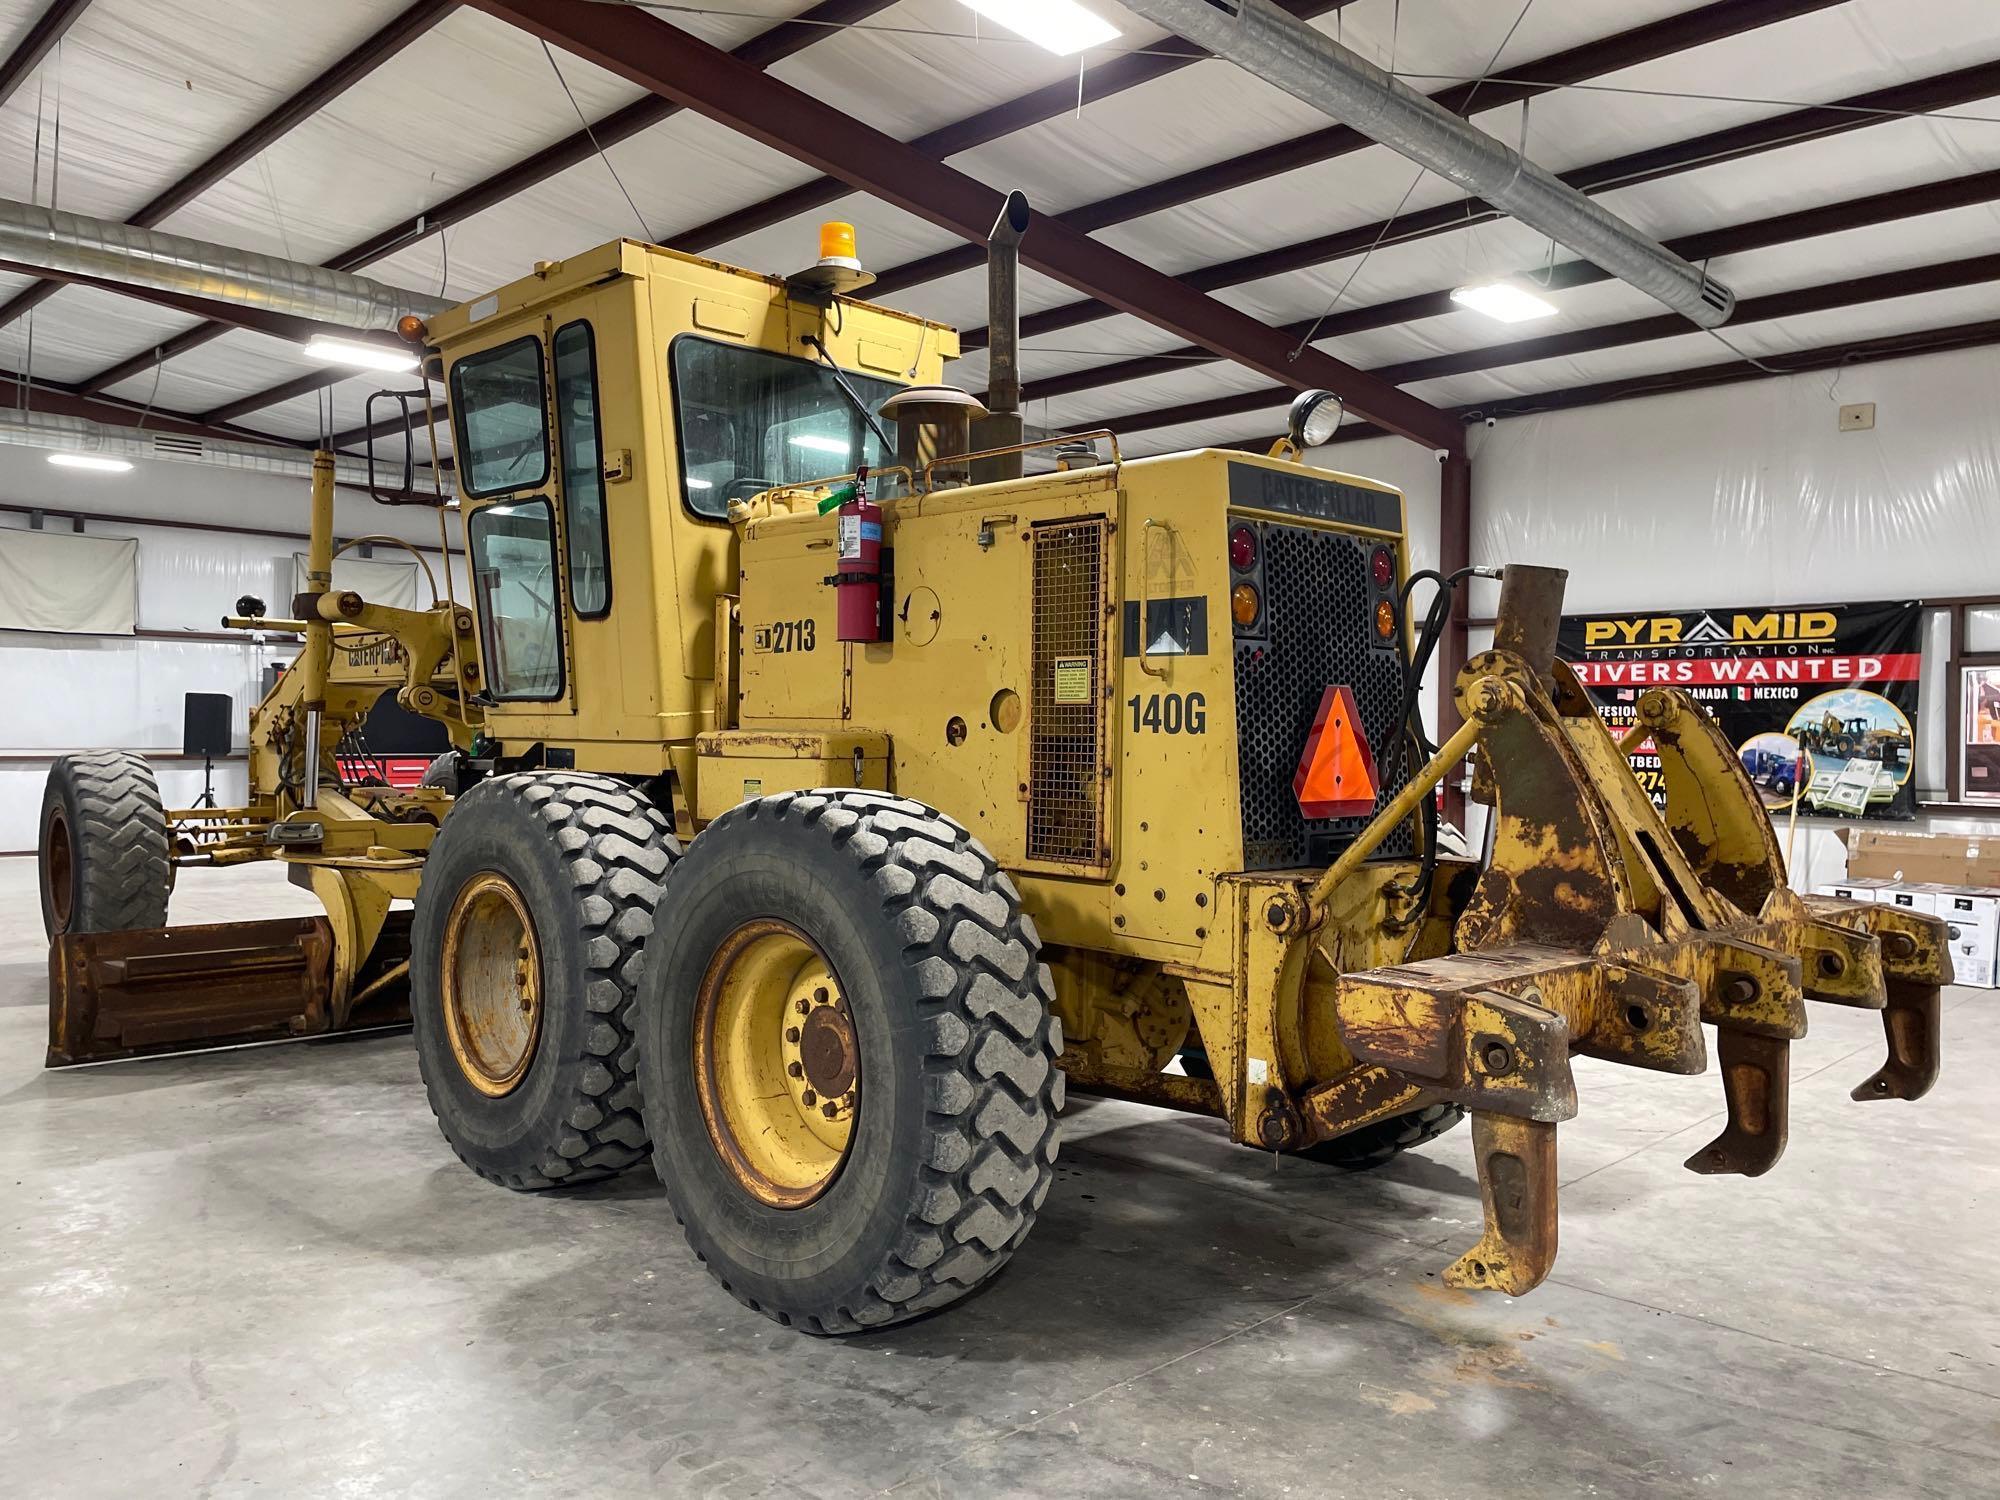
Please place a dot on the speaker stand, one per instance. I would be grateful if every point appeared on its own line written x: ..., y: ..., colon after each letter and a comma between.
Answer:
x: 207, y: 782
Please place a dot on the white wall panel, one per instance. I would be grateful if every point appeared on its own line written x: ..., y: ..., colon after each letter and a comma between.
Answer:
x: 1750, y: 493
x: 74, y: 693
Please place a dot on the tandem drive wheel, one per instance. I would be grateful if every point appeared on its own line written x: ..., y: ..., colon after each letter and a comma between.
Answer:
x: 848, y: 1058
x: 525, y: 951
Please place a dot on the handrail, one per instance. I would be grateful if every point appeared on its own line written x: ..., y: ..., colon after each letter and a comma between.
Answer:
x: 960, y: 459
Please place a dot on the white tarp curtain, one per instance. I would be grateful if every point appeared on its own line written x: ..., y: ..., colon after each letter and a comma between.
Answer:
x: 379, y: 582
x: 68, y: 584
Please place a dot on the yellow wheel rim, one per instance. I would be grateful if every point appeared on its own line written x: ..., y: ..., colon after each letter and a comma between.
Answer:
x: 492, y: 984
x: 776, y: 1063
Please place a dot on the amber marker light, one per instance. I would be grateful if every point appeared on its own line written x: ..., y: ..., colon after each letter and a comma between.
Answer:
x: 1244, y: 605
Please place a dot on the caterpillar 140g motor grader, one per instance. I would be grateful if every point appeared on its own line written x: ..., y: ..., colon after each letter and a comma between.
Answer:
x: 830, y: 794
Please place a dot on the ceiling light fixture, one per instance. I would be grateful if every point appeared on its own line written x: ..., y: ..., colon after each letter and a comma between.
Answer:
x: 1504, y: 301
x: 332, y: 351
x: 820, y: 444
x: 1061, y: 26
x: 90, y: 461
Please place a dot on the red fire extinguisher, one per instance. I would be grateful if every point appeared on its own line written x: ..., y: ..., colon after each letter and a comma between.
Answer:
x: 858, y: 572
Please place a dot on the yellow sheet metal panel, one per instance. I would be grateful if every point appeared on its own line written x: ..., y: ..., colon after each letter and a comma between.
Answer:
x: 735, y: 765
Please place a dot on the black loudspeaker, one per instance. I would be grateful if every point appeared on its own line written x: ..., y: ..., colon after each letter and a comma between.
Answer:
x: 205, y: 724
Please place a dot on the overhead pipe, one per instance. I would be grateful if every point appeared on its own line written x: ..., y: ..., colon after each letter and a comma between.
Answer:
x: 75, y: 244
x: 62, y: 434
x: 1001, y: 428
x: 1263, y: 40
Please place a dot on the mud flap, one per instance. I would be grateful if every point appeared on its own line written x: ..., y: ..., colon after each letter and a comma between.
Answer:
x: 183, y: 989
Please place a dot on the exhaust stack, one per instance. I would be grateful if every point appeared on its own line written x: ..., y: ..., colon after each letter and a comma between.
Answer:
x: 1002, y: 428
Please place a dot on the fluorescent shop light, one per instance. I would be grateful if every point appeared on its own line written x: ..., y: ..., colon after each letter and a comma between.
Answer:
x: 1504, y: 301
x: 820, y: 444
x: 332, y: 351
x: 1062, y: 26
x: 90, y: 461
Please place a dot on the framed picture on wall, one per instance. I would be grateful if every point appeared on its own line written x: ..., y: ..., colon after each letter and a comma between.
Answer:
x: 1979, y: 750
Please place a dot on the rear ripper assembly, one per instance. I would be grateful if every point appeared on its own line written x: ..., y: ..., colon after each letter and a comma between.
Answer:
x: 1602, y: 928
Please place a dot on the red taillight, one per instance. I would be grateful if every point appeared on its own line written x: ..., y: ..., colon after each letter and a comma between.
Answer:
x: 1242, y: 549
x: 1383, y: 566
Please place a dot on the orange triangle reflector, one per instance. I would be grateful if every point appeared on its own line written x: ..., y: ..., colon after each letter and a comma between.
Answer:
x: 1336, y: 775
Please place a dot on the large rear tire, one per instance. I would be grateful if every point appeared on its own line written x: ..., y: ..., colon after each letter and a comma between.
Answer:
x: 849, y: 1058
x: 105, y: 865
x: 1381, y: 1143
x: 526, y: 951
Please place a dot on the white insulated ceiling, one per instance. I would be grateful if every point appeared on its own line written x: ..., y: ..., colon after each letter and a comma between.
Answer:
x: 147, y: 89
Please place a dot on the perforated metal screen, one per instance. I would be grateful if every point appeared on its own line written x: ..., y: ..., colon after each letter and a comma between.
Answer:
x: 1318, y: 633
x: 1066, y: 709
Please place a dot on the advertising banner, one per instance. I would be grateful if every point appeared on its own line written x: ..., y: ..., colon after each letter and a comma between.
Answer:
x: 1819, y: 700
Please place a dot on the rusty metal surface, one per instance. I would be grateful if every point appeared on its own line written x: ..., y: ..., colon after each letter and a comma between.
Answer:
x: 181, y: 989
x: 1362, y: 1095
x: 1607, y: 927
x: 1756, y: 1074
x: 1085, y: 1072
x: 1912, y: 1020
x: 1517, y: 1192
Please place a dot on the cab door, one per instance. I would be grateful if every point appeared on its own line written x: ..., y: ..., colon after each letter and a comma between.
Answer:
x: 501, y: 439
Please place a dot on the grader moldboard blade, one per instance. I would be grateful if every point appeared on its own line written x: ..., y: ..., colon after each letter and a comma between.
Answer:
x: 184, y: 989
x: 1605, y: 928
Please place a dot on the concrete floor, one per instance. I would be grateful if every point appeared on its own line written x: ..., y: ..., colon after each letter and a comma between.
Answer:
x: 262, y: 1271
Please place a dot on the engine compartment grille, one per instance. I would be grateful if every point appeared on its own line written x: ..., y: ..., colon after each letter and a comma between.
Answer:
x: 1066, y: 707
x: 1316, y: 631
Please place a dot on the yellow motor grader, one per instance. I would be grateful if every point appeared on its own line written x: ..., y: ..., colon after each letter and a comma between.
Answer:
x: 830, y: 793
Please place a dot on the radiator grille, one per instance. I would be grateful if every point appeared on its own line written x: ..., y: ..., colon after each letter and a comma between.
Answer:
x: 1318, y: 632
x: 1066, y: 708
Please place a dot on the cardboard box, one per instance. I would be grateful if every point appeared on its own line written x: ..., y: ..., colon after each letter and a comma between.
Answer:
x: 1948, y: 859
x: 1853, y: 890
x: 1974, y: 916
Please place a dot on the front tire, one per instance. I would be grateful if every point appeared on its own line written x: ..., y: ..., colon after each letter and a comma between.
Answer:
x: 526, y: 952
x: 888, y: 938
x: 104, y: 857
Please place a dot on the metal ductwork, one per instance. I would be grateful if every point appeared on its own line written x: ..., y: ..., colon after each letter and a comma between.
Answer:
x: 73, y: 244
x: 1263, y: 40
x: 60, y: 434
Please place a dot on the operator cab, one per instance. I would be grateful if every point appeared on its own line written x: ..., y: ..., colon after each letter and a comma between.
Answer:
x: 606, y: 412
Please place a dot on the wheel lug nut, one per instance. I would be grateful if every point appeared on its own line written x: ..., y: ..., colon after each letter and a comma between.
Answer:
x: 820, y: 994
x: 805, y: 1007
x: 791, y: 1033
x: 810, y: 1098
x: 832, y: 1110
x: 795, y: 1070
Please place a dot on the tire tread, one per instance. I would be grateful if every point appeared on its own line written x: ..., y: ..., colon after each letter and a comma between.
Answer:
x: 618, y: 848
x: 118, y: 840
x: 993, y: 1090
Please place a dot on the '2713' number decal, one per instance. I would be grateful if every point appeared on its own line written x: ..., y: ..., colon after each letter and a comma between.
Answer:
x: 1170, y: 713
x: 792, y: 635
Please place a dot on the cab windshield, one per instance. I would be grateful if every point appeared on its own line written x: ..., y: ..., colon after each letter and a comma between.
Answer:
x: 750, y: 419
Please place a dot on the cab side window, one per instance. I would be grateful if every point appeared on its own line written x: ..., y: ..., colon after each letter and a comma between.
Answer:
x: 580, y: 443
x: 500, y: 408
